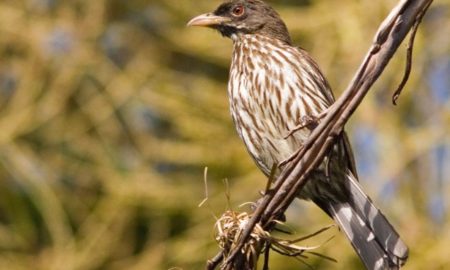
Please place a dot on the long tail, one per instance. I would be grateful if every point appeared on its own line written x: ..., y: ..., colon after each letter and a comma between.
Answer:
x: 375, y: 240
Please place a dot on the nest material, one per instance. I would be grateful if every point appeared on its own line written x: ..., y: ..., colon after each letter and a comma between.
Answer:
x: 230, y: 227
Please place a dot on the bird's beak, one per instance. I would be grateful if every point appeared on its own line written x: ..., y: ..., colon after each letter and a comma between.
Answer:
x: 208, y: 20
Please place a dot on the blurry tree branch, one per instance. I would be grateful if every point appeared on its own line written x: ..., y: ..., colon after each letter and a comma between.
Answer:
x: 406, y: 15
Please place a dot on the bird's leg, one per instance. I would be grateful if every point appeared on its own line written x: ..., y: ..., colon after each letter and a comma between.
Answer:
x: 270, y: 180
x: 307, y: 121
x: 289, y: 159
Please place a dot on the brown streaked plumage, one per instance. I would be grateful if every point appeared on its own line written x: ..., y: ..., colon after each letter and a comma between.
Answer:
x: 275, y: 87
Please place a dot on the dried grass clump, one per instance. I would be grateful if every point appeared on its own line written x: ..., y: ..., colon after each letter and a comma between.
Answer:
x: 229, y: 229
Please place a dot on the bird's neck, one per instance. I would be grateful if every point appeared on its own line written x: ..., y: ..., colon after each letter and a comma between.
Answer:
x: 243, y: 43
x: 241, y: 39
x: 276, y: 32
x: 258, y: 47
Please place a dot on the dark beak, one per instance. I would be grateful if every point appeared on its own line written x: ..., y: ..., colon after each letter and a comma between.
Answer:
x: 208, y: 20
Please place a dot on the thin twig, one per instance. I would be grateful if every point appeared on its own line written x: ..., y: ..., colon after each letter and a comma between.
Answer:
x: 409, y: 53
x: 205, y: 180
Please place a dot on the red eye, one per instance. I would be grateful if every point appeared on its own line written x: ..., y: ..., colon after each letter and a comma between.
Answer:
x: 238, y: 11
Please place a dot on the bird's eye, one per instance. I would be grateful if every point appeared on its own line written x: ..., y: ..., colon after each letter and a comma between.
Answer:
x: 238, y: 11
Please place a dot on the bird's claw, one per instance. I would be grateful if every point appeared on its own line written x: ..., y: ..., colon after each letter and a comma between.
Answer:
x: 307, y: 121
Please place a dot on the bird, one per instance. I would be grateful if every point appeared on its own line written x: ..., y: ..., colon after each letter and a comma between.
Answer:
x: 277, y: 96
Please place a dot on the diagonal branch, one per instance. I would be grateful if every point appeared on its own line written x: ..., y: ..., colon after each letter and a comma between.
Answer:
x: 391, y: 33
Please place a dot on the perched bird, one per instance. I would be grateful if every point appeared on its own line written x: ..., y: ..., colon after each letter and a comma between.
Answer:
x: 275, y: 87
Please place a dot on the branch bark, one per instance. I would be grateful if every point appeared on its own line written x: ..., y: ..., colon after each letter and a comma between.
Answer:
x: 390, y: 34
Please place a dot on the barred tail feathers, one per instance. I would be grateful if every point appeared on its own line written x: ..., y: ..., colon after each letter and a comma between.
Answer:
x: 372, y: 236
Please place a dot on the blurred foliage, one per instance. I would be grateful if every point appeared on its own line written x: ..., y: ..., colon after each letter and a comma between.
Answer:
x: 110, y: 110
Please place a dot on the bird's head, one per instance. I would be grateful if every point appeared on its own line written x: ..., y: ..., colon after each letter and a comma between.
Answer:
x: 237, y: 17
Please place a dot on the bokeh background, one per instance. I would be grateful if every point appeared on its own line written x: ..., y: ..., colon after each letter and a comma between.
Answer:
x: 111, y: 110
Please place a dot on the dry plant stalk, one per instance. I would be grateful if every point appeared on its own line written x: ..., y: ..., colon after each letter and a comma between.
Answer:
x: 406, y: 15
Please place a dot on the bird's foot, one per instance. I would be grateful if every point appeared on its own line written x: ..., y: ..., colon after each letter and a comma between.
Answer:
x: 307, y: 121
